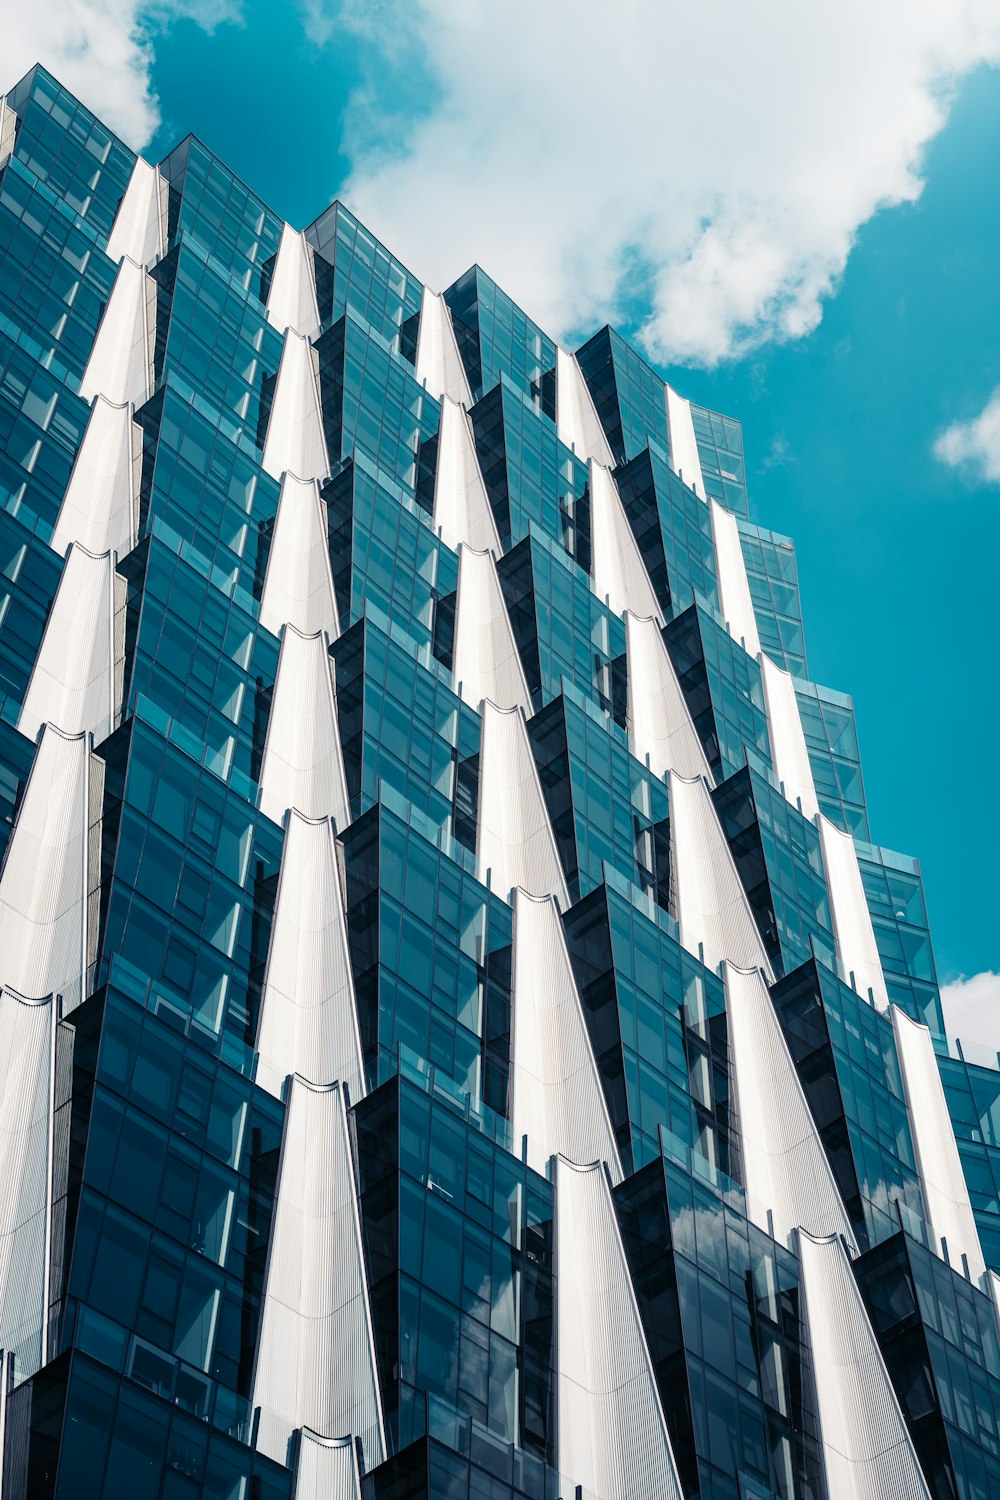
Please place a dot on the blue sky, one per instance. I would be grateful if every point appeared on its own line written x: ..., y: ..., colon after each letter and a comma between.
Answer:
x: 802, y: 231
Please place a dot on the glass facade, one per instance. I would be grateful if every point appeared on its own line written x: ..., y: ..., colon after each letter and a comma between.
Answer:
x: 548, y: 1219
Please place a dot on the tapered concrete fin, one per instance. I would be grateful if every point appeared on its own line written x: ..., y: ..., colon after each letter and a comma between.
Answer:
x: 291, y: 300
x: 712, y: 906
x: 613, y: 1438
x: 558, y: 1100
x: 462, y: 511
x: 618, y: 571
x: 51, y: 860
x: 515, y: 839
x: 298, y: 587
x: 77, y: 678
x: 852, y: 923
x: 735, y: 602
x: 27, y: 1081
x: 100, y: 506
x: 788, y: 742
x: 120, y: 363
x: 685, y: 459
x: 139, y: 228
x: 487, y: 663
x: 577, y: 421
x: 326, y: 1468
x: 308, y: 1018
x: 866, y: 1447
x: 785, y: 1166
x: 942, y: 1178
x: 303, y: 765
x: 439, y: 364
x: 315, y: 1361
x: 662, y: 728
x: 295, y: 441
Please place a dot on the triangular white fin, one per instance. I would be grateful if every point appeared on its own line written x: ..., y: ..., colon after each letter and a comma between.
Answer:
x: 295, y: 441
x: 487, y: 663
x: 303, y: 765
x: 515, y: 839
x: 298, y: 586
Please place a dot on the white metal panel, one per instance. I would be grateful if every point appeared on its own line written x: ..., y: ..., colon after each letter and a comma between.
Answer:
x: 27, y: 1064
x: 735, y: 601
x: 618, y: 571
x: 867, y: 1450
x: 577, y: 421
x: 660, y: 723
x: 852, y: 923
x: 315, y: 1360
x: 308, y: 1017
x: 43, y: 880
x: 788, y: 742
x: 303, y: 764
x: 558, y: 1100
x: 486, y: 663
x: 99, y: 505
x: 8, y: 130
x: 291, y: 297
x: 438, y: 362
x: 712, y: 906
x: 138, y: 228
x: 298, y: 585
x: 326, y: 1468
x: 514, y: 838
x: 785, y: 1166
x: 942, y: 1178
x: 295, y: 441
x: 613, y: 1438
x: 462, y: 511
x: 73, y: 682
x: 685, y: 459
x: 119, y: 363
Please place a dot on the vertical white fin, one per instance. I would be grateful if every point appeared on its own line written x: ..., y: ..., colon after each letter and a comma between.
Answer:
x: 613, y: 1437
x: 119, y: 363
x: 303, y: 765
x: 462, y: 511
x: 852, y: 923
x: 438, y: 362
x: 295, y: 441
x: 867, y: 1450
x: 74, y: 682
x: 138, y: 228
x: 662, y: 728
x: 619, y: 573
x: 308, y: 1018
x: 298, y: 586
x: 487, y: 663
x: 942, y: 1177
x: 685, y: 459
x: 577, y: 421
x: 99, y: 505
x: 735, y: 602
x: 514, y: 837
x: 785, y: 1166
x: 788, y: 742
x: 291, y: 300
x: 315, y: 1361
x: 558, y: 1100
x: 326, y: 1468
x: 27, y: 1059
x: 43, y: 881
x: 8, y: 129
x: 712, y: 906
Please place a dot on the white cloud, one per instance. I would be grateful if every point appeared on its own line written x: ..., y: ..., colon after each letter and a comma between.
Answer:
x: 720, y: 155
x: 972, y: 1010
x: 974, y: 445
x: 102, y: 51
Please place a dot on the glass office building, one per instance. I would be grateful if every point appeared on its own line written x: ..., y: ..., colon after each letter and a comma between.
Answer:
x: 458, y: 1037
